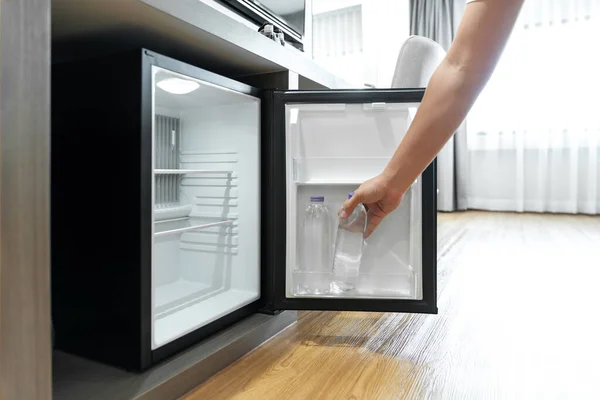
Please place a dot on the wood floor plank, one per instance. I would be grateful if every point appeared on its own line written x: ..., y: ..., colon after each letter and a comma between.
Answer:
x: 518, y: 301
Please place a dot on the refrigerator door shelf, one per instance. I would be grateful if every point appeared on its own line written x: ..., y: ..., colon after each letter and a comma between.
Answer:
x: 391, y: 257
x: 369, y: 286
x: 336, y: 170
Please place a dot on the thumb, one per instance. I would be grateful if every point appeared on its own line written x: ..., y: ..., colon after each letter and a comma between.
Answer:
x: 350, y: 204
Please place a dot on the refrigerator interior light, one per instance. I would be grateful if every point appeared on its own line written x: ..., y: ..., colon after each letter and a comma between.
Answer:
x: 178, y: 85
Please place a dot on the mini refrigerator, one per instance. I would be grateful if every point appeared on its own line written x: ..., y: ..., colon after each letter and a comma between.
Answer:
x: 178, y: 200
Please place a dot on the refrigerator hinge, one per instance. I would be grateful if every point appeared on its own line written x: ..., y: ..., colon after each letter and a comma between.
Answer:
x: 295, y: 169
x: 268, y: 310
x: 375, y: 106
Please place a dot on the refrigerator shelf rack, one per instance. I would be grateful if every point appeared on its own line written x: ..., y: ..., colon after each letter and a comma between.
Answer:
x: 327, y: 182
x: 191, y: 228
x: 190, y: 171
x: 172, y: 220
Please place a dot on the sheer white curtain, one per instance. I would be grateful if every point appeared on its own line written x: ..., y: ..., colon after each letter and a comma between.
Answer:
x: 534, y: 133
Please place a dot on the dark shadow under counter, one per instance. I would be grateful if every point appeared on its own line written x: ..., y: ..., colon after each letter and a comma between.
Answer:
x: 76, y: 378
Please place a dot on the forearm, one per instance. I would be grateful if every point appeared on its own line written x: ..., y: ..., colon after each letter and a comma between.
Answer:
x: 446, y: 103
x: 454, y: 87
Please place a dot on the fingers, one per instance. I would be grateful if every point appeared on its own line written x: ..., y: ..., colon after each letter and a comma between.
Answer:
x: 350, y: 204
x: 374, y: 221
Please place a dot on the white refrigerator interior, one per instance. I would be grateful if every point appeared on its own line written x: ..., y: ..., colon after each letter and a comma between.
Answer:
x: 206, y: 192
x: 331, y: 149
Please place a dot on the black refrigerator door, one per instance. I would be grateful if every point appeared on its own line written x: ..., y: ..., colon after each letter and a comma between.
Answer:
x: 318, y: 146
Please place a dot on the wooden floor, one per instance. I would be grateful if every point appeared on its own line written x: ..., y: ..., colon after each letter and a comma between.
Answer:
x: 518, y: 318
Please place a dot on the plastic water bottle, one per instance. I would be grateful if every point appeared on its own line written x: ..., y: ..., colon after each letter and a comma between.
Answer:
x: 316, y: 252
x: 348, y: 250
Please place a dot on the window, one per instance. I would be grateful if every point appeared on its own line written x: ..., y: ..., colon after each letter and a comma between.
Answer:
x: 359, y: 40
x: 535, y: 129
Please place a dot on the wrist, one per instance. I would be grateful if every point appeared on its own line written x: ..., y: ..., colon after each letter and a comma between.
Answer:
x: 395, y: 179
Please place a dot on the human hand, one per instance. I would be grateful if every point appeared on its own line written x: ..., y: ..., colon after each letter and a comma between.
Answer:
x: 379, y: 197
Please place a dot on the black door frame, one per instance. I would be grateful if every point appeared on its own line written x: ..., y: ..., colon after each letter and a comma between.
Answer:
x: 274, y: 203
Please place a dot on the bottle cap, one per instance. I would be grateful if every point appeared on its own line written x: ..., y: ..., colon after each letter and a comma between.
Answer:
x: 350, y: 195
x: 317, y: 199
